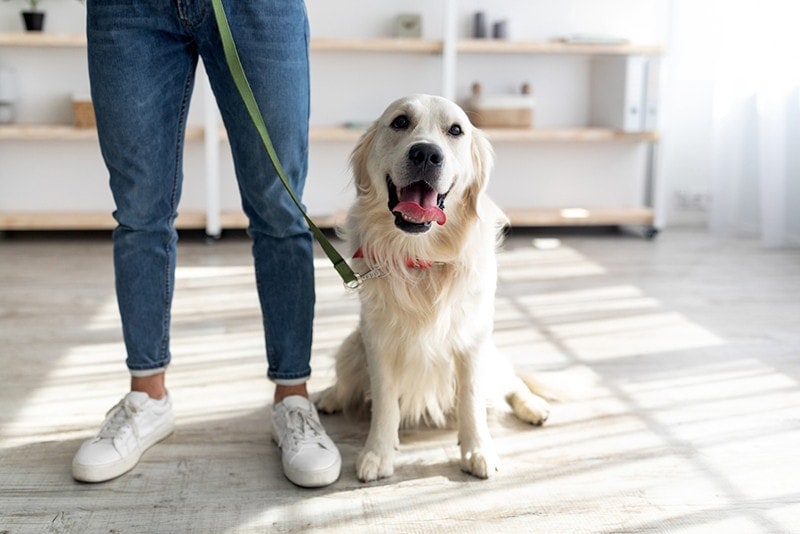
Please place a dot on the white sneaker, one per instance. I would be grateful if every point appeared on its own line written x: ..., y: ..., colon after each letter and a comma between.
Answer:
x: 309, y: 457
x: 131, y: 427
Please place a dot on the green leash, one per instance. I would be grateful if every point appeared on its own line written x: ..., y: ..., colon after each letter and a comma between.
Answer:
x: 350, y: 278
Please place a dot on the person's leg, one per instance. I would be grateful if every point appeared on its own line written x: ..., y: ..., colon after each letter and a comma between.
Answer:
x: 141, y: 67
x: 272, y: 39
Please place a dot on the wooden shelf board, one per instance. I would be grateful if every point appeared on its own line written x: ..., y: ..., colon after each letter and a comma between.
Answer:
x: 94, y: 220
x: 45, y: 132
x: 495, y: 46
x: 377, y: 45
x: 580, y: 216
x: 568, y: 135
x: 80, y: 220
x: 42, y: 39
x: 385, y: 44
x: 64, y: 132
x: 102, y: 220
x: 55, y: 220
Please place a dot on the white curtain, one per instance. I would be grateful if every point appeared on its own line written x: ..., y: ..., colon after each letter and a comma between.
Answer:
x: 755, y: 124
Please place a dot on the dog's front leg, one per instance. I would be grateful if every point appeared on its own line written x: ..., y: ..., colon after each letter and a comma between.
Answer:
x: 376, y: 459
x: 478, y: 456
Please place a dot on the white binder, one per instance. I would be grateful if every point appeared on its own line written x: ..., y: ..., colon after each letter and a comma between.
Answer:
x: 624, y: 93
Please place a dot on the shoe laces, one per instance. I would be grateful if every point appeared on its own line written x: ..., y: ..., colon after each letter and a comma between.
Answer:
x: 118, y: 418
x: 302, y: 428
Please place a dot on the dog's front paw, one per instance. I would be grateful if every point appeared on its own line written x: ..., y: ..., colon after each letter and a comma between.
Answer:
x: 372, y: 465
x: 480, y: 462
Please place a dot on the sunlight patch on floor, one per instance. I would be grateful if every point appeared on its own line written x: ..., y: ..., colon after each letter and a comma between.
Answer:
x: 535, y: 264
x: 651, y: 333
x: 67, y: 401
x: 596, y: 300
x: 593, y: 323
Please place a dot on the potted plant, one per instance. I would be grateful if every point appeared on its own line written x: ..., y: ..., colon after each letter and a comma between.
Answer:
x: 33, y: 18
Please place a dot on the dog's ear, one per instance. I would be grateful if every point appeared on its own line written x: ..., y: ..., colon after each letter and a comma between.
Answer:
x: 482, y: 164
x: 358, y: 160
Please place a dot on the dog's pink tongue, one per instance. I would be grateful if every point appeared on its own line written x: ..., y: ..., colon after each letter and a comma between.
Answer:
x: 416, y: 213
x: 418, y: 204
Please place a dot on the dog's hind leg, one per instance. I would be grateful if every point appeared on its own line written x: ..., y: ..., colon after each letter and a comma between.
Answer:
x: 526, y: 405
x: 352, y: 380
x: 328, y: 400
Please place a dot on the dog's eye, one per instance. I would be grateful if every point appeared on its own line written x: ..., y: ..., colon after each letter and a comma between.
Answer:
x: 455, y: 130
x: 400, y: 123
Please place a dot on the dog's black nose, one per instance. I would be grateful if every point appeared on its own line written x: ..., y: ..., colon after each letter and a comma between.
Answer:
x: 426, y: 155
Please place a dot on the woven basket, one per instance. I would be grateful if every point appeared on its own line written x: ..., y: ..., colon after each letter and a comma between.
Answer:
x: 501, y: 118
x: 501, y: 111
x: 83, y: 114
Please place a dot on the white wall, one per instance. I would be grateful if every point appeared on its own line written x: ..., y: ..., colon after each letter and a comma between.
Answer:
x: 356, y: 87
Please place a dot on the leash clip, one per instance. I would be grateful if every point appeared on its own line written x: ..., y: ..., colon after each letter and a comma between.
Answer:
x: 356, y: 284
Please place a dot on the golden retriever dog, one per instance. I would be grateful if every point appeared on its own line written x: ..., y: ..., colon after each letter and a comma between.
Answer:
x: 425, y: 231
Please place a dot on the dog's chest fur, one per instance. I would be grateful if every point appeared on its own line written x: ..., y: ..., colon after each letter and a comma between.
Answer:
x: 411, y: 324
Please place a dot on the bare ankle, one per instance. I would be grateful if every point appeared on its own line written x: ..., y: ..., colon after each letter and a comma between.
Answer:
x: 152, y: 385
x: 281, y: 392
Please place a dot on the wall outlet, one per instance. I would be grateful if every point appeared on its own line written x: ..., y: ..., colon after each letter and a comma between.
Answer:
x: 686, y: 200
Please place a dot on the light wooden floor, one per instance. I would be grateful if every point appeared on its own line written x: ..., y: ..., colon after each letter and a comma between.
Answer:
x: 680, y: 357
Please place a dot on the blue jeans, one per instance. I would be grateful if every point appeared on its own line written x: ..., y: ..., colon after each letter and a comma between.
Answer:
x: 142, y: 60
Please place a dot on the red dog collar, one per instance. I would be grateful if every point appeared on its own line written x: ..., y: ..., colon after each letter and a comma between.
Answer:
x: 410, y: 262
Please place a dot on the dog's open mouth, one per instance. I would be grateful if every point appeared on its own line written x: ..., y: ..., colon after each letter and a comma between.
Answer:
x: 416, y: 206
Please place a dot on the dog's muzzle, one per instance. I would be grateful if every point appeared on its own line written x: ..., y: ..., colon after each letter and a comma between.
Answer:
x: 418, y: 204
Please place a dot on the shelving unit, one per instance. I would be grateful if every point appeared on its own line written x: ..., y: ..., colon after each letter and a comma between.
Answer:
x: 213, y: 219
x: 635, y: 215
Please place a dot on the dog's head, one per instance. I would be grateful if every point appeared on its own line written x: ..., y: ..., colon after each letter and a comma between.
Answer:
x: 423, y: 162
